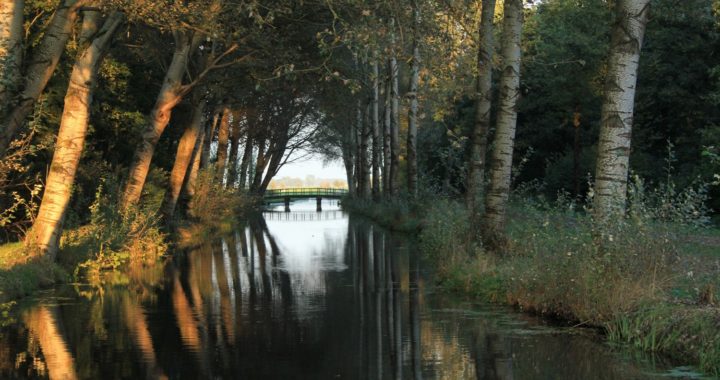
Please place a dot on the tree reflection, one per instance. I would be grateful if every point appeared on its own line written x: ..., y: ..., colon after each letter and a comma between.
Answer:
x: 281, y: 298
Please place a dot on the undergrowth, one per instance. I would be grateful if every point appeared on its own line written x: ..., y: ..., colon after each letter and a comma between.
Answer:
x: 641, y: 278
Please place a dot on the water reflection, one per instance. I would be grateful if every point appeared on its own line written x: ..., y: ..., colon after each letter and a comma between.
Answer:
x: 325, y: 297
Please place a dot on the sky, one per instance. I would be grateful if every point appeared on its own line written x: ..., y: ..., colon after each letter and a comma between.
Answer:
x: 313, y: 165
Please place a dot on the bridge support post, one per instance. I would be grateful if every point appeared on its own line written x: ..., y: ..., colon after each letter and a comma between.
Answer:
x: 319, y: 204
x: 287, y: 204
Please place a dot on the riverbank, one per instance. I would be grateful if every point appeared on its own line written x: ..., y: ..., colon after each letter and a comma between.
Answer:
x: 645, y: 284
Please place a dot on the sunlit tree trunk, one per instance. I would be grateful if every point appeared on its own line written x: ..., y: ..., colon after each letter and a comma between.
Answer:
x: 11, y: 42
x: 617, y: 112
x: 58, y: 358
x: 483, y: 103
x: 412, y: 170
x: 168, y: 98
x: 376, y: 144
x: 194, y: 169
x: 504, y: 142
x: 395, y: 117
x: 183, y: 158
x: 223, y: 138
x: 234, y: 146
x: 387, y: 132
x: 39, y: 70
x: 47, y: 228
x: 209, y: 135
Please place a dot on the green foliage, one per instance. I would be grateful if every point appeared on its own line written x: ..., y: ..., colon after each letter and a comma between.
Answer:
x: 20, y: 277
x: 680, y: 330
x: 447, y: 234
x: 115, y: 238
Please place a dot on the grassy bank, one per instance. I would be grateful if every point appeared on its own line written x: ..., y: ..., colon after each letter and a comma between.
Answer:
x: 647, y: 284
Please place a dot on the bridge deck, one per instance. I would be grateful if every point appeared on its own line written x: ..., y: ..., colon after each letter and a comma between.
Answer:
x: 309, y: 192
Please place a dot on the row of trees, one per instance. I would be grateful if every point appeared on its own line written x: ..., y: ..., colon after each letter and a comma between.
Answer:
x: 227, y: 68
x: 410, y: 95
x: 487, y: 186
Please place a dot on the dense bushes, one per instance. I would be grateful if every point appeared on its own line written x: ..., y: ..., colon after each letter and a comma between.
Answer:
x: 114, y: 238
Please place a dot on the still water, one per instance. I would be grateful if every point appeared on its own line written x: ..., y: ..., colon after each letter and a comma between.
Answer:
x: 299, y: 295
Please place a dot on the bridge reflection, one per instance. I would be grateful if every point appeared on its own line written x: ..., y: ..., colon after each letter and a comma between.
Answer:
x: 304, y: 216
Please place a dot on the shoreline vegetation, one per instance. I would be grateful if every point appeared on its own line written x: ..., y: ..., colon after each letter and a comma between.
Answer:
x: 116, y: 242
x: 645, y: 284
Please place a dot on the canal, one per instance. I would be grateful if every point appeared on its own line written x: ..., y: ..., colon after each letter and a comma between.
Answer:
x: 298, y: 295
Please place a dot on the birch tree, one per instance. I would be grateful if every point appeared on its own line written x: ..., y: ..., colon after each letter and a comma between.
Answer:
x: 412, y: 169
x: 45, y: 233
x: 222, y: 149
x: 483, y: 103
x: 39, y: 70
x: 617, y: 113
x: 183, y: 157
x: 504, y: 142
x: 376, y: 144
x: 394, y: 115
x: 170, y: 95
x: 11, y: 42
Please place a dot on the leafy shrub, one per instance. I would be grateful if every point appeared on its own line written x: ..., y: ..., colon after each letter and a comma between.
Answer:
x: 114, y: 237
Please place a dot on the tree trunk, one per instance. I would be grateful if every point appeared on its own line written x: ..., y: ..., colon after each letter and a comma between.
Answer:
x: 47, y: 228
x: 387, y: 132
x: 364, y: 149
x: 245, y: 163
x: 183, y: 158
x: 207, y: 141
x: 483, y: 103
x: 577, y: 150
x: 40, y: 68
x: 191, y: 178
x: 617, y: 113
x: 278, y: 152
x: 348, y: 161
x: 361, y: 156
x: 260, y: 165
x: 223, y: 137
x: 168, y: 98
x: 504, y: 143
x: 376, y: 144
x: 11, y: 42
x: 412, y: 174
x: 234, y: 146
x: 395, y: 117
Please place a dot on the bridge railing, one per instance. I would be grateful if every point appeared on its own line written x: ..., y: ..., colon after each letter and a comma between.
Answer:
x: 305, y: 192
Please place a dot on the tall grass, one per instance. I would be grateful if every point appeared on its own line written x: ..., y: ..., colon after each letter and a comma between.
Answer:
x: 636, y: 278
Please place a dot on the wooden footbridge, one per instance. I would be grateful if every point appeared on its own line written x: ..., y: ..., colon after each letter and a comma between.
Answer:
x: 287, y: 195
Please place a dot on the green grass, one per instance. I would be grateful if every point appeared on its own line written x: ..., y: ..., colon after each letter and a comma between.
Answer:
x: 20, y: 276
x: 644, y: 283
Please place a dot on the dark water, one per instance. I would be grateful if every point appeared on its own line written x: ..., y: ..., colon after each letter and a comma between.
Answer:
x: 292, y: 296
